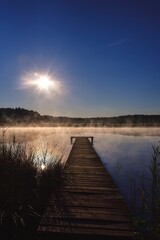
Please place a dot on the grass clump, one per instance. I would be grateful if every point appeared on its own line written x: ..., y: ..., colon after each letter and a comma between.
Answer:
x: 25, y: 190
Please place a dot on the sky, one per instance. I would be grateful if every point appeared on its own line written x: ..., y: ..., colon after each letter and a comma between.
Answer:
x: 104, y: 56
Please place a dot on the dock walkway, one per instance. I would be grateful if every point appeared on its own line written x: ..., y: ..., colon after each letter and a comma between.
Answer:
x: 96, y: 208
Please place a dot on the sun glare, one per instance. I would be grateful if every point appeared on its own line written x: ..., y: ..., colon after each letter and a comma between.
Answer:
x: 42, y: 83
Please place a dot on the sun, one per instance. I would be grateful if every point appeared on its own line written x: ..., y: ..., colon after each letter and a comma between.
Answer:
x: 43, y: 82
x: 46, y: 83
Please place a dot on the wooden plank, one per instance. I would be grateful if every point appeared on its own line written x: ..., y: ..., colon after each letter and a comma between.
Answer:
x: 99, y: 211
x: 83, y: 223
x: 90, y: 216
x: 92, y: 190
x: 88, y: 231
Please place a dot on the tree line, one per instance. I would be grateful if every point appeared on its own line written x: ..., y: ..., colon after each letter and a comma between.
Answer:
x: 24, y: 117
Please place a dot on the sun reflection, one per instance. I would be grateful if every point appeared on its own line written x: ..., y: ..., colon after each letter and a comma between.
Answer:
x: 43, y: 166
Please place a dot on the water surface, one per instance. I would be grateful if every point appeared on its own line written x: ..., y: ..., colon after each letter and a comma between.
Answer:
x: 125, y: 152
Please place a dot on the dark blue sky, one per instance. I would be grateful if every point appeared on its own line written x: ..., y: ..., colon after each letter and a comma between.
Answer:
x: 105, y: 53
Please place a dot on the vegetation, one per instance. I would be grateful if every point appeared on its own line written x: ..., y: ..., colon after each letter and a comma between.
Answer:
x: 155, y: 173
x: 145, y: 198
x: 24, y: 117
x: 149, y: 222
x: 25, y: 189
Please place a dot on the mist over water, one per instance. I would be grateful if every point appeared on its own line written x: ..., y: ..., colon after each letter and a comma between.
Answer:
x: 125, y: 152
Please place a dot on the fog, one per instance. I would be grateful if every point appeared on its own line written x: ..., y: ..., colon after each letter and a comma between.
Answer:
x: 125, y: 152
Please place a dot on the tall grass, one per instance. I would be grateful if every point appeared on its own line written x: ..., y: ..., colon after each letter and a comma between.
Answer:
x: 151, y: 225
x: 155, y: 173
x: 25, y: 190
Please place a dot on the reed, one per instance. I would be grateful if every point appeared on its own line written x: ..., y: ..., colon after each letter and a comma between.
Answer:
x: 25, y: 189
x: 151, y: 226
x: 155, y: 180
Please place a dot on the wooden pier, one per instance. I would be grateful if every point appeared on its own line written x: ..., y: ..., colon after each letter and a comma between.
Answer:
x: 96, y: 209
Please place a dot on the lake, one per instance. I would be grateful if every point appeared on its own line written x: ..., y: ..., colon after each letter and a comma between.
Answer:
x: 125, y: 152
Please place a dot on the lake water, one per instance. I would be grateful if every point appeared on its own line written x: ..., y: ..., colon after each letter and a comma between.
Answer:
x: 125, y: 152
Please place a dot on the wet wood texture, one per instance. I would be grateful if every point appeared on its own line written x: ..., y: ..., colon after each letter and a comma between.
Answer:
x: 95, y: 207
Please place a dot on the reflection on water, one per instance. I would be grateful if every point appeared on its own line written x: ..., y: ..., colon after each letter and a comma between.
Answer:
x: 128, y: 159
x: 125, y: 152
